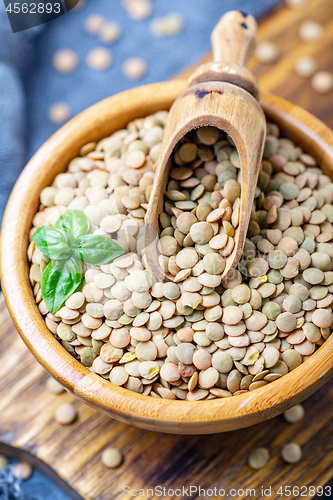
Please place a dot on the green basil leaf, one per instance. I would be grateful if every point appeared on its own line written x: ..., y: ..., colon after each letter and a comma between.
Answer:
x: 95, y: 250
x: 69, y: 266
x: 54, y: 243
x: 59, y: 281
x: 75, y: 222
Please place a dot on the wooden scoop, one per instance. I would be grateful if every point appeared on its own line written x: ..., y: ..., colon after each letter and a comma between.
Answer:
x: 223, y: 94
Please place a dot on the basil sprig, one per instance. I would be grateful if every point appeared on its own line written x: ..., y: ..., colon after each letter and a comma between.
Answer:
x: 68, y: 244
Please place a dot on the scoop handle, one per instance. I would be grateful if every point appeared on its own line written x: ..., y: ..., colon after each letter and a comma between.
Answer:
x: 234, y: 38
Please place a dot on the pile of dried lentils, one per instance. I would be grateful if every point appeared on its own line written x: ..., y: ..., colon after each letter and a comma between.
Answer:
x: 192, y: 336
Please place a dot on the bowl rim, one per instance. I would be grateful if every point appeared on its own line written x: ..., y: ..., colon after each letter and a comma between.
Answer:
x: 144, y: 411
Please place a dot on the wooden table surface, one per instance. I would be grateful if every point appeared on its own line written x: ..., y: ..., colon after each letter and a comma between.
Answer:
x: 27, y: 426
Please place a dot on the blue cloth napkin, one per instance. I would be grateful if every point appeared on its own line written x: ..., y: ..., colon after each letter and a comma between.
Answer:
x: 37, y: 487
x: 16, y: 51
x: 29, y: 85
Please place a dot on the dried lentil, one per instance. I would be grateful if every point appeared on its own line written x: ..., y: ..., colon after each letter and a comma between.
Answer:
x: 267, y: 52
x: 169, y: 25
x: 305, y: 66
x: 99, y: 59
x: 93, y: 23
x: 134, y: 68
x: 259, y: 458
x: 112, y: 458
x: 223, y: 337
x: 291, y: 453
x: 54, y: 386
x: 59, y: 112
x: 65, y: 60
x: 322, y: 82
x: 295, y: 414
x: 66, y: 414
x: 22, y: 470
x: 311, y: 31
x: 3, y: 462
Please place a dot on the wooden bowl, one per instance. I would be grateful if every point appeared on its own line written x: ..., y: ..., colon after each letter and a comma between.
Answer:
x: 178, y: 417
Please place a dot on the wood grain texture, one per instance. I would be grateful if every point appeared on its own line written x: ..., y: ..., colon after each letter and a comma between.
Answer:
x: 226, y: 105
x: 234, y: 38
x: 182, y: 417
x: 150, y: 458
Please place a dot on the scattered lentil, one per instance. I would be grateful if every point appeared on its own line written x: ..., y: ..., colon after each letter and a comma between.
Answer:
x: 267, y: 52
x: 305, y: 66
x: 295, y: 414
x: 170, y: 25
x: 310, y: 32
x: 22, y: 470
x: 94, y: 23
x: 291, y: 453
x: 296, y: 4
x: 99, y: 59
x: 66, y: 414
x: 65, y: 60
x: 259, y: 458
x: 112, y: 458
x: 3, y: 462
x: 138, y: 10
x: 109, y: 32
x: 54, y: 386
x: 322, y: 82
x: 59, y: 112
x: 134, y: 68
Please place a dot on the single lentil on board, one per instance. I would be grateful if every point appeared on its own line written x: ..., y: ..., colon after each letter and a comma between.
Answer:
x: 267, y: 52
x: 112, y: 458
x: 322, y: 82
x: 291, y: 453
x: 190, y: 335
x: 259, y: 458
x: 305, y: 66
x: 66, y: 414
x: 54, y: 386
x: 296, y: 4
x: 311, y: 32
x: 294, y: 414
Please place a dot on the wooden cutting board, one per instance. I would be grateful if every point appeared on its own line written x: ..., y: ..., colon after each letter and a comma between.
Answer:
x: 72, y: 454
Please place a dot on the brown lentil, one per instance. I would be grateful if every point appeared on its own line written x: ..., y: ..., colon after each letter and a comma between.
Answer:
x: 295, y: 414
x: 22, y: 470
x: 291, y: 453
x: 112, y: 458
x: 259, y: 458
x: 223, y: 338
x: 66, y: 414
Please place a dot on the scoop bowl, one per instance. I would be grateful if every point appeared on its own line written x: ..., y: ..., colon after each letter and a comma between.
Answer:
x: 177, y: 417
